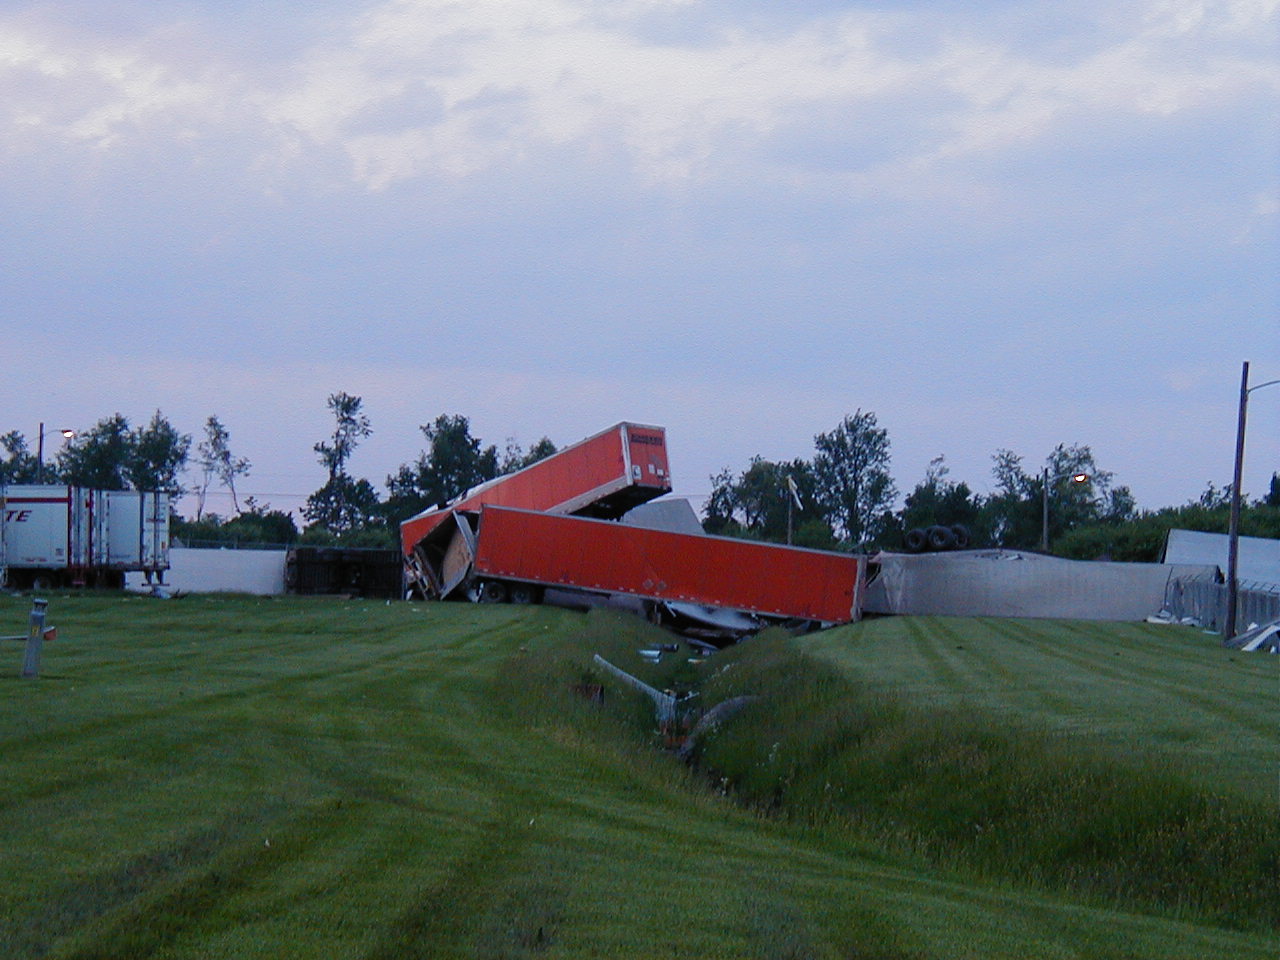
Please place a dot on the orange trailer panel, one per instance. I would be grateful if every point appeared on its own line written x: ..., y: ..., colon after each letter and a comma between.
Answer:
x: 557, y: 550
x: 604, y: 475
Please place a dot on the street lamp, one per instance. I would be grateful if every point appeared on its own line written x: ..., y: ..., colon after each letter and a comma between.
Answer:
x: 1233, y: 531
x: 1044, y: 524
x: 66, y: 434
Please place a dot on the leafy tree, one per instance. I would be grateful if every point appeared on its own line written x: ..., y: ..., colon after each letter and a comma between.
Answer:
x: 1014, y: 514
x: 98, y: 458
x: 515, y: 458
x: 343, y: 504
x: 157, y: 454
x: 851, y: 472
x: 256, y: 524
x: 352, y: 426
x: 755, y: 504
x: 19, y: 464
x: 937, y: 500
x: 216, y: 460
x: 1214, y: 497
x: 1272, y: 499
x: 453, y: 463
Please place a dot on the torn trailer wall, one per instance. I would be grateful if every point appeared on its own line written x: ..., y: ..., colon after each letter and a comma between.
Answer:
x: 1006, y: 583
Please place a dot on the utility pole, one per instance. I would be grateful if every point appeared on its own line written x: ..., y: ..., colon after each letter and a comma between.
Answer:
x: 1233, y: 529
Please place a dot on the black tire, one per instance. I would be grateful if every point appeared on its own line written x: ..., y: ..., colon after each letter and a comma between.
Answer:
x: 523, y: 593
x: 961, y: 534
x: 940, y: 538
x: 493, y: 591
x: 41, y: 582
x: 915, y: 540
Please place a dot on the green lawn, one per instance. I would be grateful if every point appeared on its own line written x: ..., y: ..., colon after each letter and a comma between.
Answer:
x: 1167, y: 691
x: 234, y: 777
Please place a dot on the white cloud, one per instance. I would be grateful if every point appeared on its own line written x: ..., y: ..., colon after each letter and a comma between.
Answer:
x: 465, y: 87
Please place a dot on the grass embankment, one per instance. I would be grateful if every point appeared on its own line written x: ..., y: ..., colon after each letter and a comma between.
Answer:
x: 231, y: 777
x: 1026, y: 753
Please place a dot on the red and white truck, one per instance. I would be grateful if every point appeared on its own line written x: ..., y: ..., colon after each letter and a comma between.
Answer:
x: 52, y: 535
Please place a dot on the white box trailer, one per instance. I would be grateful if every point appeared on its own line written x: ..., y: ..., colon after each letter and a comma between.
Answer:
x: 53, y: 535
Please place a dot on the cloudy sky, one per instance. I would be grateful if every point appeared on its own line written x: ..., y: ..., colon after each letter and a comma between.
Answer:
x: 1009, y: 224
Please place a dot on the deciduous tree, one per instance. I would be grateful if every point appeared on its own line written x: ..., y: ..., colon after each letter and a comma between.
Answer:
x: 851, y: 470
x: 216, y: 460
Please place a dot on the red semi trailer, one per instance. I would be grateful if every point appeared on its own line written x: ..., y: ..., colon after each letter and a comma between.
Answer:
x: 504, y: 554
x: 604, y: 475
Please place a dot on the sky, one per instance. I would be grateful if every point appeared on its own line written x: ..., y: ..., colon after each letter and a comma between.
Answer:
x: 1000, y: 225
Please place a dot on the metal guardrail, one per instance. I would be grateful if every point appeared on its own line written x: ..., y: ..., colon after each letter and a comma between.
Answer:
x: 1205, y: 602
x: 664, y: 703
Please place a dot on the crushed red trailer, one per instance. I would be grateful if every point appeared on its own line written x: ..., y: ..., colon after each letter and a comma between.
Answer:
x: 604, y: 475
x: 512, y: 548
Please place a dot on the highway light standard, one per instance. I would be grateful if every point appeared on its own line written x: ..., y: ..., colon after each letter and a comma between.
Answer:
x: 66, y: 434
x: 1233, y: 531
x: 1044, y: 525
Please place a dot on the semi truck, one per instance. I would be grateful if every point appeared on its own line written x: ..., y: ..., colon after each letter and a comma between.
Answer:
x: 54, y: 535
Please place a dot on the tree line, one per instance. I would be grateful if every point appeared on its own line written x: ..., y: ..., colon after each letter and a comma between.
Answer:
x: 113, y: 455
x: 844, y: 498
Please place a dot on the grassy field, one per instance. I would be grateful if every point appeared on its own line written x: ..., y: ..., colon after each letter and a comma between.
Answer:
x: 1170, y: 692
x: 235, y: 777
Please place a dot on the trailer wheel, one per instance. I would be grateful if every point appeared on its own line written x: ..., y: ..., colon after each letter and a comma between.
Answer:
x: 915, y: 540
x: 493, y: 591
x: 962, y: 536
x: 523, y: 593
x: 41, y: 582
x: 941, y: 538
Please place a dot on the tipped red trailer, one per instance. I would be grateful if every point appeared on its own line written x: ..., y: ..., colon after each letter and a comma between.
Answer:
x: 604, y: 475
x: 504, y: 554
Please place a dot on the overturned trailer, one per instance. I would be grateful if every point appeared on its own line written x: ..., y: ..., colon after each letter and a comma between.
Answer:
x: 550, y: 527
x: 603, y: 476
x: 498, y: 554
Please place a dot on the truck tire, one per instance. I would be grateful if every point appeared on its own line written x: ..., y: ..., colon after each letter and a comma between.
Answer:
x: 961, y: 534
x: 41, y: 582
x: 941, y: 538
x: 523, y: 593
x: 915, y: 540
x: 493, y: 591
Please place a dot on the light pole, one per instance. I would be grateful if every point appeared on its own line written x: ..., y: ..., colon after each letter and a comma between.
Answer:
x: 66, y: 434
x: 1233, y: 530
x: 1044, y: 515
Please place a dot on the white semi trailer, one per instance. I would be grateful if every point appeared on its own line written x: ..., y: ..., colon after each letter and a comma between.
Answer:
x: 54, y: 535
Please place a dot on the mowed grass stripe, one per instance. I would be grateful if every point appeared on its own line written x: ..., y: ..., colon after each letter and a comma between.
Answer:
x: 1153, y: 689
x: 398, y: 796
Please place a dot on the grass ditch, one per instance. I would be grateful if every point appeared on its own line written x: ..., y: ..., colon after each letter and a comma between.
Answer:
x: 971, y: 792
